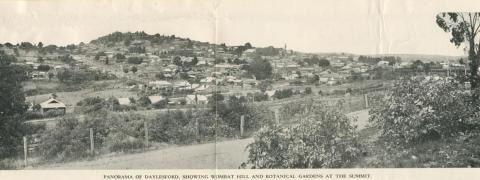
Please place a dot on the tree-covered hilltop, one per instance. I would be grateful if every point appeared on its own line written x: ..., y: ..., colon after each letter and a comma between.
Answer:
x: 128, y: 37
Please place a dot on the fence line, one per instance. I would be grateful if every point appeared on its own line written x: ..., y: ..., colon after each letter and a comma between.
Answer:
x: 31, y: 145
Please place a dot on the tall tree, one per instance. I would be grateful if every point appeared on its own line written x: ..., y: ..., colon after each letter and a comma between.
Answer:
x: 260, y: 68
x: 12, y: 107
x: 464, y: 28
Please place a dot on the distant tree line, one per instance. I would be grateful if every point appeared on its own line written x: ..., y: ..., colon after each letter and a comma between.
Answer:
x: 374, y: 60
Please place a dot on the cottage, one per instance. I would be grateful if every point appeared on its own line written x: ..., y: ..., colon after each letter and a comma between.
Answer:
x: 52, y: 104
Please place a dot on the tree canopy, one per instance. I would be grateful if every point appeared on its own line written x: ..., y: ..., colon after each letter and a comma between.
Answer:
x: 464, y: 28
x: 12, y: 108
x: 260, y: 68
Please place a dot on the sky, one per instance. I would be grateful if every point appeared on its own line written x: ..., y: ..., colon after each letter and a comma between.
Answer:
x: 352, y: 26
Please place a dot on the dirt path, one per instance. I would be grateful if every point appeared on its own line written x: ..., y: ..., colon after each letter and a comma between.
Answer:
x: 222, y: 155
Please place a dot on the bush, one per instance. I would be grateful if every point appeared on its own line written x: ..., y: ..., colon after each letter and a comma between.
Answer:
x: 281, y: 94
x: 54, y: 113
x: 322, y: 138
x: 166, y: 127
x: 260, y: 96
x: 70, y: 138
x: 120, y: 142
x: 33, y: 115
x: 134, y: 60
x: 66, y: 141
x: 422, y: 110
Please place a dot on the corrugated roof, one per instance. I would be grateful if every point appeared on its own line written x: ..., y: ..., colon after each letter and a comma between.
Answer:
x: 52, y: 103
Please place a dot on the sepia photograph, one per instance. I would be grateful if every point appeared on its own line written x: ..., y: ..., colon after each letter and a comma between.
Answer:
x: 239, y: 85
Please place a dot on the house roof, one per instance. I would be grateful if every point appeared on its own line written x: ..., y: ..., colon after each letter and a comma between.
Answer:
x: 123, y: 101
x: 182, y: 84
x: 270, y: 93
x: 52, y: 103
x: 159, y: 83
x: 155, y: 99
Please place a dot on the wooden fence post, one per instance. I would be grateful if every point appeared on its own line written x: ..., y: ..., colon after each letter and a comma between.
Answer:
x: 25, y: 151
x: 146, y: 133
x: 92, y: 143
x: 197, y: 130
x: 242, y: 124
x: 277, y: 116
x: 366, y: 101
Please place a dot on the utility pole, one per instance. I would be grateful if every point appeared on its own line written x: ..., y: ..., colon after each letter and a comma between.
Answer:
x: 146, y: 133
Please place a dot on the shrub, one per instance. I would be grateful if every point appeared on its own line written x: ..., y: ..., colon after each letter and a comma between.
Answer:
x: 120, y: 142
x: 322, y: 138
x: 33, y: 115
x: 422, y: 110
x: 134, y: 60
x: 260, y: 96
x: 286, y: 93
x: 54, y: 113
x: 64, y: 142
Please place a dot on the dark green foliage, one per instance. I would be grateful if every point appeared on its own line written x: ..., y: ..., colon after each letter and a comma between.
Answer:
x: 136, y: 49
x: 231, y: 110
x: 6, y: 59
x: 134, y: 69
x: 308, y: 90
x: 69, y: 76
x: 268, y: 51
x: 422, y: 110
x: 119, y: 57
x: 260, y: 68
x: 66, y: 141
x: 219, y: 61
x: 67, y: 59
x: 43, y: 68
x: 375, y: 60
x: 95, y: 104
x: 463, y: 27
x: 194, y: 61
x: 260, y: 96
x: 426, y: 123
x: 321, y: 138
x: 134, y: 60
x: 285, y: 93
x: 12, y: 107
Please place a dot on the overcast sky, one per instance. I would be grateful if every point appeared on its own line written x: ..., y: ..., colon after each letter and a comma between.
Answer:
x: 355, y: 26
